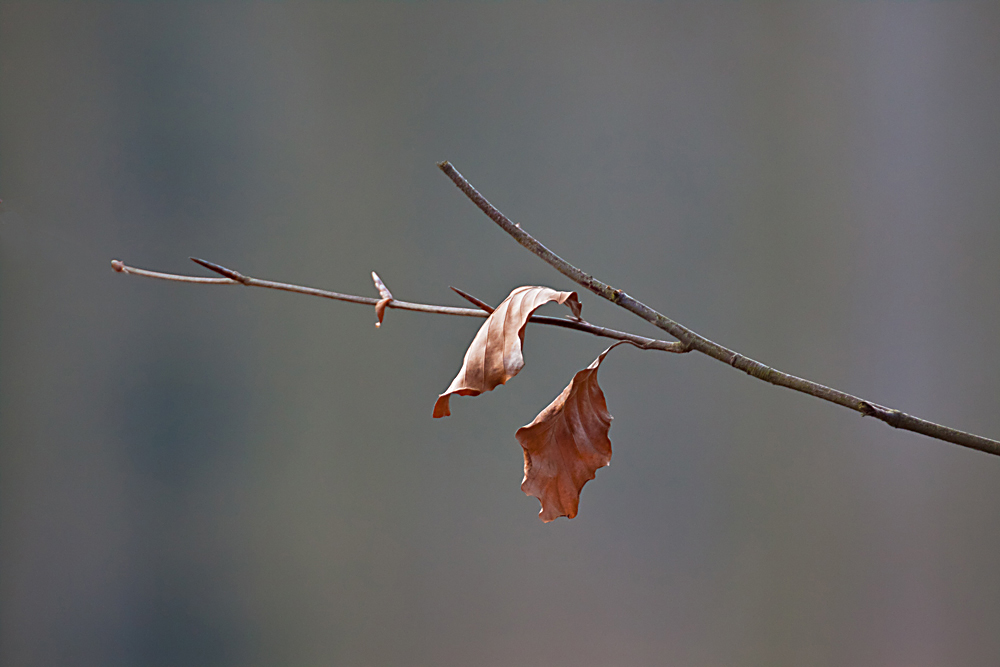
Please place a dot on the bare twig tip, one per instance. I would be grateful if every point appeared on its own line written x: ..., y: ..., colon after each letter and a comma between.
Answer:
x: 473, y: 300
x: 118, y: 265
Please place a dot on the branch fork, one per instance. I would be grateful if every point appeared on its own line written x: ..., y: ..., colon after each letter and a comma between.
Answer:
x: 692, y: 341
x: 687, y: 340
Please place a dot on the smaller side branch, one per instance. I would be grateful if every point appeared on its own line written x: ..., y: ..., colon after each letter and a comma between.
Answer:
x: 232, y: 277
x: 237, y: 278
x: 473, y: 300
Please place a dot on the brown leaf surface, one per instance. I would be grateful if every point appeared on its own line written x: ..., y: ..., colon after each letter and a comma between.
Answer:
x: 495, y: 353
x: 566, y: 444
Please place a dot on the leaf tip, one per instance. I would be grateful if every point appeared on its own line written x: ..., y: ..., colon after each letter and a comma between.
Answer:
x: 441, y: 407
x: 573, y: 301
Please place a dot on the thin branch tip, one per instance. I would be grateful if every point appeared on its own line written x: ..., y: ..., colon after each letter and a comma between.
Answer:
x: 471, y: 299
x: 118, y: 265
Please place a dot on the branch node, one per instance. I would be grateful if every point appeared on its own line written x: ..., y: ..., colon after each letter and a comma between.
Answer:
x: 386, y: 299
x: 383, y: 291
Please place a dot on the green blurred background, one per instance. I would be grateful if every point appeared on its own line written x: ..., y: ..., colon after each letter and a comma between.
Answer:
x: 198, y: 475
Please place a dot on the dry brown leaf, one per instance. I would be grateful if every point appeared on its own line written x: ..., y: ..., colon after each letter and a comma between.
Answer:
x: 495, y: 353
x: 386, y: 295
x: 566, y: 444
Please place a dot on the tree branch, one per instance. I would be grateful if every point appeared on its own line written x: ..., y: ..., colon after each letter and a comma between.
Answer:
x: 693, y: 341
x: 236, y: 278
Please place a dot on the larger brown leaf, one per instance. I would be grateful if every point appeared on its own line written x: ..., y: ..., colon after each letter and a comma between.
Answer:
x: 566, y: 444
x: 495, y: 353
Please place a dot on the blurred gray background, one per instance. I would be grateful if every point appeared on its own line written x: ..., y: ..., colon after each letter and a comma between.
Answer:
x: 224, y: 476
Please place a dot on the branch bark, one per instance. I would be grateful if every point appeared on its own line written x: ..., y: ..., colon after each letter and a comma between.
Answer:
x: 232, y: 277
x: 695, y: 342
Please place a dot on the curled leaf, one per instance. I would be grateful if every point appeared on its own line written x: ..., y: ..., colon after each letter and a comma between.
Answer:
x: 495, y: 353
x: 566, y: 444
x: 386, y: 295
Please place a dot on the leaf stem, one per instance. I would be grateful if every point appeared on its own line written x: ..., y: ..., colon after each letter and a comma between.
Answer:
x: 690, y: 340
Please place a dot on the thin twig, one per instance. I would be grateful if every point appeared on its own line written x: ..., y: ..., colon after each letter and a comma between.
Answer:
x: 473, y: 300
x: 693, y: 341
x: 236, y: 278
